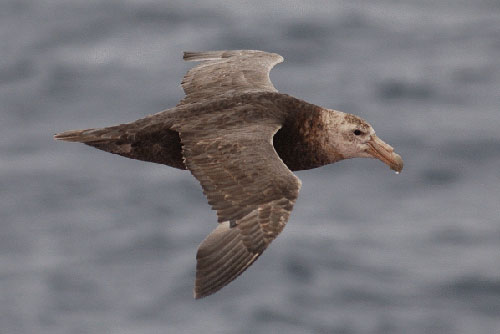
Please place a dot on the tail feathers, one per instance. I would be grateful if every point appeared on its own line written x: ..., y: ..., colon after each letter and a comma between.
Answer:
x: 73, y: 135
x: 84, y: 136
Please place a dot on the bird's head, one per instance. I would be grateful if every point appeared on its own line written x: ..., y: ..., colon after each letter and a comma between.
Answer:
x: 353, y: 137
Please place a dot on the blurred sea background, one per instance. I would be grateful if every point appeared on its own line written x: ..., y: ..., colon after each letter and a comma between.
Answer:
x: 91, y: 242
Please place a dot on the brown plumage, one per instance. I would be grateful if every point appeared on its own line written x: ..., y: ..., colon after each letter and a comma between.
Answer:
x: 241, y: 139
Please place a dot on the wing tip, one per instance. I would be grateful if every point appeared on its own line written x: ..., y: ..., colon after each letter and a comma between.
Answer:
x: 214, y: 55
x: 220, y: 259
x: 202, y: 55
x: 197, y: 295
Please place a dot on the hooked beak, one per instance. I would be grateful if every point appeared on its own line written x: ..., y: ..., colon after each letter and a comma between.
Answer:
x: 385, y: 153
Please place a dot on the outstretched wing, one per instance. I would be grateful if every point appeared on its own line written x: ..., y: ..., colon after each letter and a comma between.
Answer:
x: 226, y: 73
x: 245, y: 181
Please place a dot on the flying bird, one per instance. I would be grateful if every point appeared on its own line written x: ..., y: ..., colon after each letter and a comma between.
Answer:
x: 242, y: 140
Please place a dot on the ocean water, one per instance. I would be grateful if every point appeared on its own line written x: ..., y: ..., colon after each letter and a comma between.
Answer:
x: 96, y: 243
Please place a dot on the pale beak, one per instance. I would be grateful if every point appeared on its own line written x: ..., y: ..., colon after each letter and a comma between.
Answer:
x: 385, y: 153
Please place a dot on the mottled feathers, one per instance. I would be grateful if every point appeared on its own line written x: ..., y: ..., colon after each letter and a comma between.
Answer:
x: 240, y: 139
x: 224, y: 126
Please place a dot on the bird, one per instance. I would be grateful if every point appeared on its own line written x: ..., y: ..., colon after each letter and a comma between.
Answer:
x: 242, y: 140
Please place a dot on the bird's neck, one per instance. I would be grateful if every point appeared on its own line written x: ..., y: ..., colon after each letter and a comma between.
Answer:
x: 303, y: 141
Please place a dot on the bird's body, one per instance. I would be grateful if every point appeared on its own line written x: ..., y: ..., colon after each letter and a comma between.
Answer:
x: 241, y: 139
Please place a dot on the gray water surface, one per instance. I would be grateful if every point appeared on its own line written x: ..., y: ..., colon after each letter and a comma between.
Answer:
x: 96, y: 243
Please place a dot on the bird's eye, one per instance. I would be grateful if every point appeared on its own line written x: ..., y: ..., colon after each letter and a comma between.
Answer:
x: 357, y: 132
